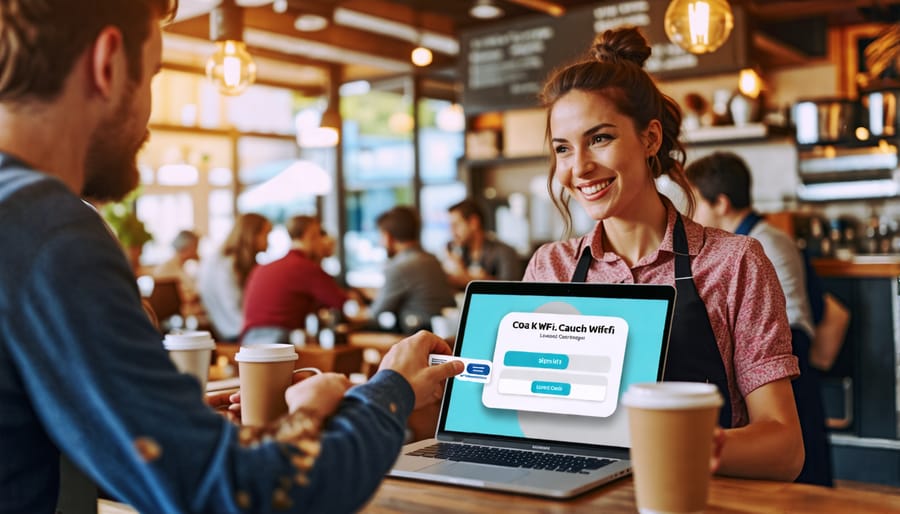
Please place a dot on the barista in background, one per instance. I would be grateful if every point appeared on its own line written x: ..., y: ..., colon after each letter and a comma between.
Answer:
x: 475, y: 254
x: 721, y: 187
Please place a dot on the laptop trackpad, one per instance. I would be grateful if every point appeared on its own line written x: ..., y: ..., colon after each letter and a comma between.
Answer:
x: 476, y: 471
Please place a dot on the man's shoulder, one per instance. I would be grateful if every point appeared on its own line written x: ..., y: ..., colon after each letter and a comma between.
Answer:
x: 417, y: 259
x: 773, y: 239
x: 492, y: 242
x: 35, y: 206
x: 17, y: 182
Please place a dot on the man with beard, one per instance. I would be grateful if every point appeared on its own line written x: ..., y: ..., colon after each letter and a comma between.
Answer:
x: 82, y: 371
x: 415, y: 285
x: 474, y: 253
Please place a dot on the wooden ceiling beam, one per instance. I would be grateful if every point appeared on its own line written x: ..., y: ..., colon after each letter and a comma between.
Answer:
x: 198, y: 27
x: 265, y: 19
x: 404, y: 14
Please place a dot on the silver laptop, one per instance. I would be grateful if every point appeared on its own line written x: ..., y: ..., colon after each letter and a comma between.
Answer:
x: 537, y: 409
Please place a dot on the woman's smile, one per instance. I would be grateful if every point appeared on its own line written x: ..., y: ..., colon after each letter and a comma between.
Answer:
x: 595, y: 190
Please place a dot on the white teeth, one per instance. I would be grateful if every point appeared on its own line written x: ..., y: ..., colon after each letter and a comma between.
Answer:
x: 594, y: 188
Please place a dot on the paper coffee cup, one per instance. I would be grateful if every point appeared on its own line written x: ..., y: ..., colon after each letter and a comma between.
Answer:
x: 671, y: 427
x: 191, y: 352
x: 265, y: 372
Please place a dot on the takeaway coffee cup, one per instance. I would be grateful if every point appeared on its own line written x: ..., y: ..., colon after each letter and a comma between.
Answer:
x: 265, y: 372
x: 671, y: 426
x: 191, y: 352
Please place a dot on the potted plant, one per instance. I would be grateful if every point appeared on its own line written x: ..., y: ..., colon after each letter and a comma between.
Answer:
x: 129, y: 229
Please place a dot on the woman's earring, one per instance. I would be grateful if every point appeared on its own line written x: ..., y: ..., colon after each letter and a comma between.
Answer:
x: 655, y: 165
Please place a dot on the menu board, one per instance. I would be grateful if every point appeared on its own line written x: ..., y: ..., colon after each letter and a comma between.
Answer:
x: 504, y: 65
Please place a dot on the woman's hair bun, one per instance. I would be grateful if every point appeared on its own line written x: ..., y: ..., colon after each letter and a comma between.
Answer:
x: 621, y: 44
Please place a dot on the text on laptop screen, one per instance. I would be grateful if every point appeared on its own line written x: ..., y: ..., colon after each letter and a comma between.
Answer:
x: 554, y: 367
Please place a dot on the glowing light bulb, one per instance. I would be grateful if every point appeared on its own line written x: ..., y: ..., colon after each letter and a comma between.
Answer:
x: 698, y: 20
x: 749, y: 83
x: 699, y: 26
x: 231, y: 67
x: 421, y: 56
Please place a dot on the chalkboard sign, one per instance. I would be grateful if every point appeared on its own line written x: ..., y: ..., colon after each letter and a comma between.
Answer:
x: 505, y: 65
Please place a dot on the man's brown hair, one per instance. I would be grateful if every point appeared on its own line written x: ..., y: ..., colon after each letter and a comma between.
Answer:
x: 298, y: 225
x: 402, y: 223
x: 40, y: 40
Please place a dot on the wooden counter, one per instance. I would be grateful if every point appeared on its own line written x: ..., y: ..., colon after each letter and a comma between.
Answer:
x: 727, y: 495
x: 861, y: 266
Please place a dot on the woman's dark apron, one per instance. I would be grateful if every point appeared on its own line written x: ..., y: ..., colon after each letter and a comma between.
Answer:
x: 693, y: 354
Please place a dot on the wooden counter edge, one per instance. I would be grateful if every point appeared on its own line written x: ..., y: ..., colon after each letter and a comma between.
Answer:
x: 839, y: 268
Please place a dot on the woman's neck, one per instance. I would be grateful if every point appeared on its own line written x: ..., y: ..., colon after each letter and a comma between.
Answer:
x: 633, y: 237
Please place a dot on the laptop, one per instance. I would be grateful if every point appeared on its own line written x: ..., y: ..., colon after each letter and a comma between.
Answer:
x: 537, y: 410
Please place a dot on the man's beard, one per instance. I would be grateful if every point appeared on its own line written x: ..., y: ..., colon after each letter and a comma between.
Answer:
x: 111, y: 169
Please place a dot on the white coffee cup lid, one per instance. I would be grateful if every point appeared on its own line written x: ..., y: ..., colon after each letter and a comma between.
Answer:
x: 192, y: 340
x: 266, y: 353
x: 672, y: 395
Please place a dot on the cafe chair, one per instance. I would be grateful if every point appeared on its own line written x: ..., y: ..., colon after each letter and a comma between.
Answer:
x: 165, y: 300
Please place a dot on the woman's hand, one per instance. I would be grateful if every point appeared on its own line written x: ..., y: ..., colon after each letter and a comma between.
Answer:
x: 718, y: 442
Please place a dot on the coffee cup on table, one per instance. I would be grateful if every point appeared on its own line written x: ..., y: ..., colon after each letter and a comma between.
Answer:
x: 191, y: 352
x: 671, y: 428
x: 265, y: 371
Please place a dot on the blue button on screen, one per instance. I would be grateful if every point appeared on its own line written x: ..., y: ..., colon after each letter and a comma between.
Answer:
x: 554, y: 388
x: 536, y: 360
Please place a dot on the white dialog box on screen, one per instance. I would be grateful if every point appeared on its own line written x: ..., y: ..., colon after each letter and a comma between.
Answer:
x: 557, y: 363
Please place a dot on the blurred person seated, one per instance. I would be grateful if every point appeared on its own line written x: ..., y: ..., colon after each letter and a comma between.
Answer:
x: 223, y: 275
x: 474, y: 253
x: 282, y: 293
x: 415, y: 285
x: 721, y: 186
x: 182, y: 266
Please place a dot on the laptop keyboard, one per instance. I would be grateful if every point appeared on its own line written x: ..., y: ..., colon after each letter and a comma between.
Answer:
x: 511, y: 458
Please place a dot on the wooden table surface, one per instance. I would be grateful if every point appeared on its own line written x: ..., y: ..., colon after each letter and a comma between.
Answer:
x: 726, y: 495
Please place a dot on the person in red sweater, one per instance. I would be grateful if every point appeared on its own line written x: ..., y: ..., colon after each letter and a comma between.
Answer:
x: 280, y: 295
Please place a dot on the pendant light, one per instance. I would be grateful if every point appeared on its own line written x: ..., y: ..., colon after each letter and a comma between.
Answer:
x: 699, y: 26
x: 231, y: 67
x: 485, y: 10
x: 328, y: 133
x: 421, y: 55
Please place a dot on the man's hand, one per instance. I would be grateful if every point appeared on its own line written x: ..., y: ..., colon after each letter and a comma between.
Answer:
x: 409, y: 357
x: 319, y: 394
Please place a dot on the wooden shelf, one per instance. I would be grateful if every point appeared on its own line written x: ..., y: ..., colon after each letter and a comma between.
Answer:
x: 730, y: 133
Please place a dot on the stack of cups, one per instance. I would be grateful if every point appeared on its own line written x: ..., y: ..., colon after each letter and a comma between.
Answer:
x: 671, y: 426
x: 191, y: 352
x: 266, y: 371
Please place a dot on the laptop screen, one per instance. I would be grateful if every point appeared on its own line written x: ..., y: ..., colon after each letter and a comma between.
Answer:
x: 551, y: 360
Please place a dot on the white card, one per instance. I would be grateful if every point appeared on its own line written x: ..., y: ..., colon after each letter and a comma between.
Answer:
x: 477, y: 370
